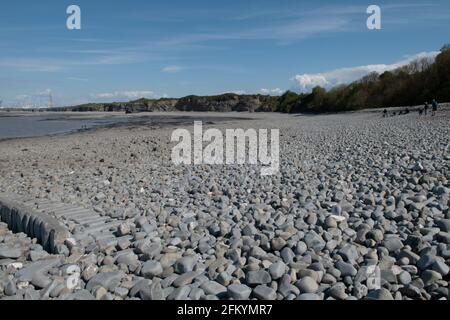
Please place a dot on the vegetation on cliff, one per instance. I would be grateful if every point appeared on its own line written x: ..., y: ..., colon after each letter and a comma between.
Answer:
x: 414, y: 84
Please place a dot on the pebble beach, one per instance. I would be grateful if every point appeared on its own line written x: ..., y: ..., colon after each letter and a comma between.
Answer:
x: 354, y: 190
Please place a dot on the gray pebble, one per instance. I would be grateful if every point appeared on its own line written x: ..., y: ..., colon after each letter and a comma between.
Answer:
x: 239, y: 291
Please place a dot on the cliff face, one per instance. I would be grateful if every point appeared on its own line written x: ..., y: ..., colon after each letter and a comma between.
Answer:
x: 227, y: 102
x: 141, y: 105
x: 145, y: 105
x: 221, y: 103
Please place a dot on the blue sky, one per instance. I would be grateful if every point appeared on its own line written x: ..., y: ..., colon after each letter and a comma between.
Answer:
x: 128, y: 49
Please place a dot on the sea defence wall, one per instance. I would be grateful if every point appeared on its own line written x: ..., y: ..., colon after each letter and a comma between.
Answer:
x: 58, y: 226
x: 22, y: 218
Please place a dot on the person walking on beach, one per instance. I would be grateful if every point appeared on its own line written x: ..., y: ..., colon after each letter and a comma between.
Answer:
x: 434, y: 105
x: 384, y: 113
x: 425, y: 109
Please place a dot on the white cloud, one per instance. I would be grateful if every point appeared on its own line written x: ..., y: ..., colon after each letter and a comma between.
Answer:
x: 329, y: 79
x: 172, y: 69
x: 49, y: 64
x: 105, y: 95
x: 125, y: 95
x: 78, y: 79
x: 37, y: 99
x: 307, y: 82
x: 276, y: 91
x: 238, y: 92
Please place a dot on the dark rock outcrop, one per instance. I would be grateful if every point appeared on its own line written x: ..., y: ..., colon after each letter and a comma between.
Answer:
x: 220, y: 103
x: 227, y: 102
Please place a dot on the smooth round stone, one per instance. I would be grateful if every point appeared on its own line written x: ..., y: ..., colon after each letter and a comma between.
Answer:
x: 40, y: 281
x: 330, y: 222
x: 444, y: 225
x: 426, y: 260
x: 301, y: 248
x: 121, y: 292
x: 278, y: 244
x: 99, y: 292
x: 309, y: 297
x: 213, y: 288
x: 277, y: 270
x: 360, y: 291
x: 312, y: 218
x: 336, y: 210
x: 338, y: 292
x: 440, y: 266
x: 258, y: 277
x: 316, y: 275
x: 90, y: 271
x: 376, y: 235
x: 124, y: 229
x: 328, y: 279
x: 287, y: 255
x: 346, y: 269
x: 307, y: 285
x: 184, y: 264
x: 184, y: 279
x: 10, y: 288
x: 380, y: 294
x: 263, y: 292
x: 314, y: 241
x: 239, y: 291
x: 393, y: 244
x: 404, y: 278
x: 430, y: 276
x: 6, y: 253
x: 178, y: 293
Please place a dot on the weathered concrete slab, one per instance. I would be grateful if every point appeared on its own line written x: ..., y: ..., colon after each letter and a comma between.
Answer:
x: 50, y: 221
x: 21, y: 218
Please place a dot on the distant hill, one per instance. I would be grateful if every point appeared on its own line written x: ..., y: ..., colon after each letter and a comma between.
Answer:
x: 220, y: 103
x: 141, y: 105
x: 228, y: 102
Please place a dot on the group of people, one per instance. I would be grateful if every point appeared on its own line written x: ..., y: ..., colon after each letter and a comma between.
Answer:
x: 434, y: 108
x: 385, y: 113
x: 422, y: 111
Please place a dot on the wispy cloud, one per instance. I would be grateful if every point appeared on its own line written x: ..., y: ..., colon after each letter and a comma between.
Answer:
x: 33, y: 64
x: 172, y: 69
x: 234, y: 91
x: 33, y: 99
x: 306, y: 82
x: 77, y: 79
x: 293, y: 30
x: 125, y: 94
x: 276, y: 91
x: 55, y: 65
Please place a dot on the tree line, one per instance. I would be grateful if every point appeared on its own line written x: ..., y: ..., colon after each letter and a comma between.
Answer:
x: 416, y: 83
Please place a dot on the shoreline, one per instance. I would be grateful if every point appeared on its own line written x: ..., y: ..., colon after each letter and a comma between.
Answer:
x: 120, y: 120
